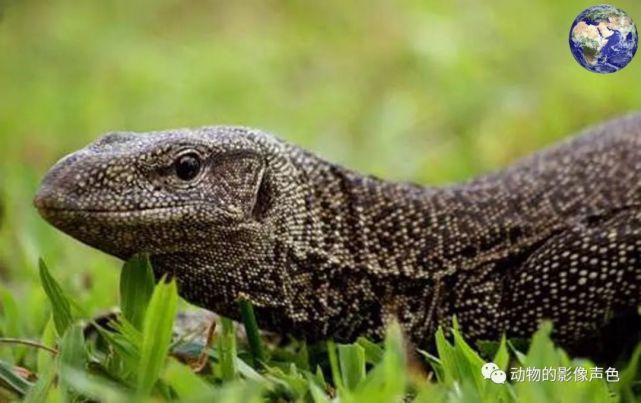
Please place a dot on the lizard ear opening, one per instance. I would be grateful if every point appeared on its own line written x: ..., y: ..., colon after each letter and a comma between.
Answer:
x: 236, y: 183
x: 263, y: 199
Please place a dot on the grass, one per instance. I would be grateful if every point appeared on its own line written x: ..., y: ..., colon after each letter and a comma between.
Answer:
x: 424, y: 90
x: 134, y: 357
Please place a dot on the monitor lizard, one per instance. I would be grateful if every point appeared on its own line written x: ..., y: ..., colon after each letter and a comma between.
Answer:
x: 322, y: 251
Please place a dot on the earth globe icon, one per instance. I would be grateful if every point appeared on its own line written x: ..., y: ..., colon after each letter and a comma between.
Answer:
x: 603, y: 39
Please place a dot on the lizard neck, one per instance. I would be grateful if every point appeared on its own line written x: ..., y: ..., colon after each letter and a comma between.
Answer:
x: 363, y: 256
x: 363, y: 221
x: 413, y: 231
x: 376, y: 250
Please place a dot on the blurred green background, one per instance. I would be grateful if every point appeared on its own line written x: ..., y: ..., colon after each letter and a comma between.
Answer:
x: 429, y: 91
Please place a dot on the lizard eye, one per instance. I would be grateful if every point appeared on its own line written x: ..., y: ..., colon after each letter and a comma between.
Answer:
x: 187, y: 166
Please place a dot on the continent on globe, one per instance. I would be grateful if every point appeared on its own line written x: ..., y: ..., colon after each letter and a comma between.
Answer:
x: 603, y: 39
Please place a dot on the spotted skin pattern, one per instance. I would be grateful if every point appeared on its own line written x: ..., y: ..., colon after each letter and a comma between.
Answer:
x: 323, y: 251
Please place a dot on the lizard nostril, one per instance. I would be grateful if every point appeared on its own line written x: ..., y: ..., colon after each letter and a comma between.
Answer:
x: 47, y: 199
x: 45, y: 202
x: 39, y: 200
x: 56, y: 185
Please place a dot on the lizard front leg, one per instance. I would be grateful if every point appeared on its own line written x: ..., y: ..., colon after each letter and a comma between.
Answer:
x: 580, y: 279
x: 475, y: 299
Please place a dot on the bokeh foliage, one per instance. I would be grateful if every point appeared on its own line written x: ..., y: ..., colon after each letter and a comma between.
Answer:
x: 423, y: 90
x: 430, y: 91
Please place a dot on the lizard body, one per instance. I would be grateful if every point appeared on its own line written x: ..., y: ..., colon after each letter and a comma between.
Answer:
x: 323, y: 251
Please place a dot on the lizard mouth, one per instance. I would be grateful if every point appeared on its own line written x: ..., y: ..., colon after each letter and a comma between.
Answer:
x: 66, y: 217
x: 176, y: 211
x: 59, y: 210
x: 52, y: 204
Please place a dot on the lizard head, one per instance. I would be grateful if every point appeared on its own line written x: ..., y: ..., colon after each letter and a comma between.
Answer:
x: 223, y: 209
x: 166, y: 192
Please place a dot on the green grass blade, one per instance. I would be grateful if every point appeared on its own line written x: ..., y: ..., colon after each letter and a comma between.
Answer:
x: 10, y: 319
x: 244, y: 369
x: 628, y: 376
x: 123, y: 347
x: 247, y: 371
x: 40, y: 390
x: 318, y: 395
x: 319, y: 377
x: 61, y: 308
x: 435, y: 363
x: 236, y: 392
x: 387, y: 381
x: 333, y: 364
x: 136, y: 288
x: 448, y: 368
x: 17, y: 384
x: 301, y: 358
x: 373, y: 351
x: 72, y: 354
x: 351, y: 358
x: 128, y: 331
x: 186, y: 383
x: 394, y: 362
x: 520, y: 357
x: 97, y: 388
x: 468, y: 360
x: 227, y: 350
x: 502, y: 356
x: 157, y: 332
x: 44, y: 358
x: 253, y: 334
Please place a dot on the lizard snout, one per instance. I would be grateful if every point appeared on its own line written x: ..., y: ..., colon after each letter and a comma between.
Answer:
x: 53, y: 193
x: 48, y: 200
x: 40, y: 199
